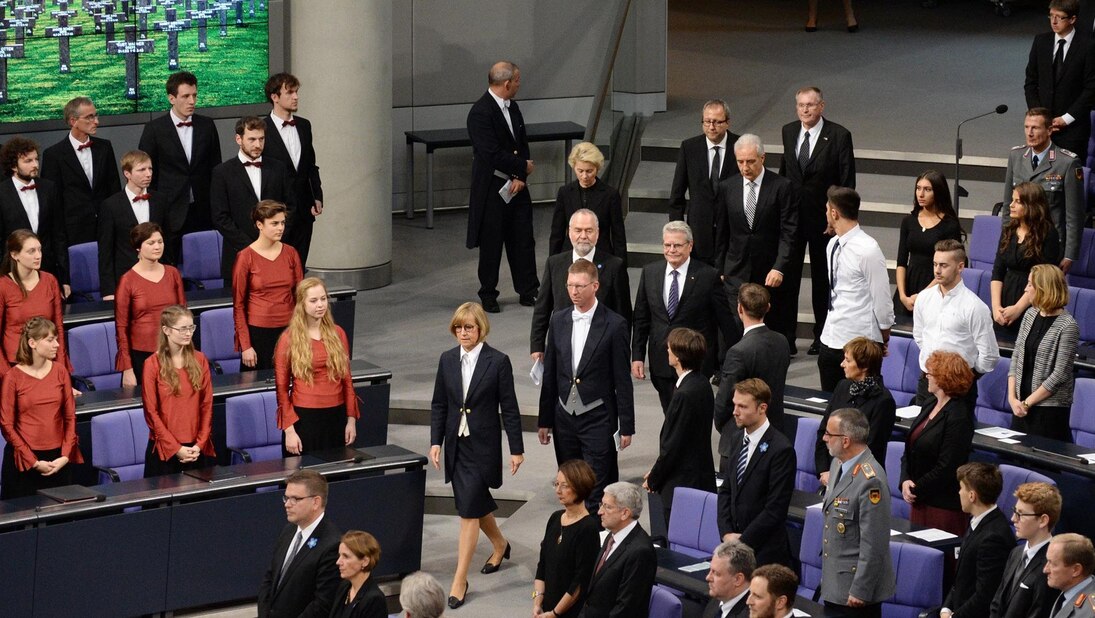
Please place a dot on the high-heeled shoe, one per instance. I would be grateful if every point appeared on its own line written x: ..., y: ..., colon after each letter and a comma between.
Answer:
x: 490, y: 567
x: 455, y: 602
x: 811, y: 28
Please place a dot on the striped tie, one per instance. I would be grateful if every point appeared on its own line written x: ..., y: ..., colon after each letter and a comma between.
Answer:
x: 751, y: 204
x: 743, y: 456
x: 674, y: 296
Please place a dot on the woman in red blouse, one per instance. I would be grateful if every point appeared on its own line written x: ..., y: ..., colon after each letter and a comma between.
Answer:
x: 27, y: 291
x: 266, y: 273
x: 317, y: 407
x: 37, y: 415
x: 178, y: 399
x: 142, y: 293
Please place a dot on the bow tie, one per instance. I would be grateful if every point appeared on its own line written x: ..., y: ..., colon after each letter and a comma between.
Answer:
x: 252, y: 164
x: 581, y: 317
x: 143, y: 196
x: 86, y: 144
x: 29, y: 187
x: 185, y: 123
x: 292, y: 122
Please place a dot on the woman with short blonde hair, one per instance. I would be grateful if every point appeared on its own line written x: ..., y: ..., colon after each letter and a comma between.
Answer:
x: 588, y: 192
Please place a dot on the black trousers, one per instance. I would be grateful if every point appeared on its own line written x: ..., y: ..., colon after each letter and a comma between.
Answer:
x: 299, y: 234
x: 828, y: 367
x: 137, y: 358
x: 810, y: 235
x: 264, y: 340
x: 507, y: 226
x: 177, y: 215
x: 16, y: 484
x: 873, y: 610
x: 665, y: 388
x: 588, y: 437
x: 154, y: 466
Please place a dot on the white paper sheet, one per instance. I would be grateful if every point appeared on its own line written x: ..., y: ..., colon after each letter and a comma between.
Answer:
x: 999, y: 432
x: 692, y: 568
x: 817, y: 400
x: 932, y: 534
x: 909, y: 412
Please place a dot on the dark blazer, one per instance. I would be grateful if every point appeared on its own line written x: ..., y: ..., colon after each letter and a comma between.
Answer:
x: 832, y: 162
x: 739, y: 610
x: 490, y: 391
x: 744, y: 254
x: 614, y: 291
x: 304, y: 178
x: 693, y: 175
x: 231, y: 199
x: 703, y: 307
x: 980, y: 566
x: 51, y: 224
x: 932, y: 460
x: 79, y: 200
x: 752, y: 357
x: 621, y: 589
x: 173, y: 176
x: 369, y: 602
x: 604, y: 201
x: 879, y: 408
x: 494, y: 148
x: 310, y: 580
x: 1030, y: 595
x: 1074, y: 90
x: 684, y: 452
x: 116, y: 221
x: 757, y: 509
x: 604, y: 371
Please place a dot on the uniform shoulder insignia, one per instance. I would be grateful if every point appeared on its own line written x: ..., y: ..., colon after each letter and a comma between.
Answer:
x: 1018, y: 147
x: 1067, y: 152
x: 868, y: 471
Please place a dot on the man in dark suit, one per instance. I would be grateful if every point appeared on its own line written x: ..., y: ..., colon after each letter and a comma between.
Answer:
x: 81, y: 166
x: 184, y: 147
x: 677, y: 292
x: 303, y: 577
x: 984, y: 550
x: 1023, y: 591
x: 755, y: 356
x: 614, y: 288
x: 817, y: 154
x: 289, y: 140
x: 120, y: 213
x: 701, y: 165
x: 758, y: 478
x: 1060, y: 75
x: 241, y: 182
x: 732, y: 566
x: 500, y: 157
x: 586, y: 392
x: 31, y: 203
x: 624, y: 573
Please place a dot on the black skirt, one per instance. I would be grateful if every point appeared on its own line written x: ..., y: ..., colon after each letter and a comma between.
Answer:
x: 319, y: 429
x: 469, y: 489
x: 137, y: 359
x: 154, y: 466
x: 16, y: 484
x: 264, y: 340
x: 1047, y: 421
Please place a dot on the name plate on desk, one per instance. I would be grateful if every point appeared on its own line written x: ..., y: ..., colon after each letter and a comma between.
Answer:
x: 72, y: 493
x: 216, y: 474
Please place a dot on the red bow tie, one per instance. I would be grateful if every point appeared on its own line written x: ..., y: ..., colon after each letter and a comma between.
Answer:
x: 184, y: 123
x: 143, y: 196
x: 252, y: 163
x: 29, y: 187
x: 292, y: 122
x: 86, y: 144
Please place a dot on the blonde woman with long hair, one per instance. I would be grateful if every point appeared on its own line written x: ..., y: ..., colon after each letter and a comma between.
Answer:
x: 317, y: 406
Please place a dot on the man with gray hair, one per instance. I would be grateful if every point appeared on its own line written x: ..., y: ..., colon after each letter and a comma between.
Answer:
x: 625, y: 567
x: 856, y: 571
x: 1070, y: 561
x: 732, y: 566
x: 421, y: 596
x: 756, y: 222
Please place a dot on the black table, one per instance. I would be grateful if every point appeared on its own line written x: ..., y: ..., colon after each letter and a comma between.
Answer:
x: 436, y: 139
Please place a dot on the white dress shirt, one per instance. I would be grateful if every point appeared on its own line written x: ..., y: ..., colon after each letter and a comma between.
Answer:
x: 1030, y: 550
x: 974, y: 521
x: 186, y: 133
x: 722, y: 153
x: 726, y: 606
x: 815, y: 134
x: 749, y: 328
x: 955, y: 321
x: 680, y: 378
x: 29, y: 200
x: 574, y: 257
x: 682, y: 274
x: 862, y: 305
x: 140, y: 209
x: 618, y: 538
x: 305, y: 534
x: 504, y: 105
x: 579, y: 333
x: 84, y: 157
x: 467, y: 367
x: 253, y: 173
x: 289, y: 137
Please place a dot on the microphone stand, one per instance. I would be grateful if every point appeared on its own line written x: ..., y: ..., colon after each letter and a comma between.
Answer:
x: 960, y: 192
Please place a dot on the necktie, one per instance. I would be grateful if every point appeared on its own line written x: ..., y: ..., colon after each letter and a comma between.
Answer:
x: 1034, y: 162
x: 1058, y: 59
x: 751, y: 204
x: 86, y: 144
x: 465, y: 377
x: 581, y: 317
x: 604, y: 555
x: 143, y: 196
x: 292, y: 122
x: 297, y: 540
x: 184, y: 123
x: 1058, y: 605
x: 804, y: 152
x: 715, y: 165
x: 743, y: 457
x: 252, y: 164
x: 832, y: 273
x: 29, y: 187
x: 674, y: 296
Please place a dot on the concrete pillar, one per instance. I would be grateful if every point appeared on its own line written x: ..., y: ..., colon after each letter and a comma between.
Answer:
x: 342, y: 53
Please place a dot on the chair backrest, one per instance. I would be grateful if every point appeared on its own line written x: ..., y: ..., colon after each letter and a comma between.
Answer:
x: 992, y: 396
x: 83, y: 265
x: 919, y: 574
x: 251, y: 426
x: 201, y: 253
x: 809, y: 552
x: 693, y: 522
x: 93, y: 349
x: 1081, y: 304
x: 1082, y: 418
x: 217, y: 338
x: 984, y: 239
x: 1015, y: 476
x: 664, y: 604
x: 979, y: 282
x: 901, y: 369
x: 1082, y: 272
x: 805, y: 439
x: 118, y: 442
x: 898, y: 507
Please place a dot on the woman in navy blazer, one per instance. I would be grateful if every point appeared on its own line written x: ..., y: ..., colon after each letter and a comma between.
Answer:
x: 590, y: 192
x: 467, y: 419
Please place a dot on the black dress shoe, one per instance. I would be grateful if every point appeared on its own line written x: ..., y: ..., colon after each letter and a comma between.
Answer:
x: 815, y: 348
x: 853, y: 28
x: 811, y: 28
x: 455, y: 602
x: 491, y: 306
x: 489, y: 567
x: 527, y: 300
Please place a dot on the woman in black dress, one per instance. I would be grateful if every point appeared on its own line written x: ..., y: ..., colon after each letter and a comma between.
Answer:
x: 590, y: 192
x: 1029, y: 238
x: 1040, y: 380
x: 358, y: 595
x: 570, y: 546
x: 932, y: 219
x: 474, y: 382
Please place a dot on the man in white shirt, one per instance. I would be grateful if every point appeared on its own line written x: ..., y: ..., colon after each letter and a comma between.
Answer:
x: 732, y: 566
x: 859, y: 287
x: 949, y: 316
x: 30, y: 202
x: 772, y: 592
x: 1023, y: 589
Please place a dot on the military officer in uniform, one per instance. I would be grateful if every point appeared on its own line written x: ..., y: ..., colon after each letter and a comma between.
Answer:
x: 1058, y: 171
x: 856, y: 572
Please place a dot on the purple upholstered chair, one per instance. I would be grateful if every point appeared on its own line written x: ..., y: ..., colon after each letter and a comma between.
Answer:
x: 898, y: 507
x: 992, y: 396
x: 118, y: 443
x: 92, y: 348
x: 805, y: 438
x: 201, y: 256
x: 663, y: 603
x: 809, y: 552
x: 251, y: 430
x: 1082, y: 418
x: 693, y: 525
x: 984, y: 240
x: 217, y: 334
x: 901, y: 369
x: 1015, y: 476
x: 919, y: 574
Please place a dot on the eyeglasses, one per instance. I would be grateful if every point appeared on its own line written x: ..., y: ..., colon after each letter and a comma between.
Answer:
x: 1017, y: 514
x: 186, y: 330
x: 1058, y: 18
x: 609, y: 507
x: 558, y: 485
x: 292, y: 500
x: 89, y: 117
x: 807, y: 105
x: 465, y: 327
x: 674, y: 246
x: 826, y: 434
x: 714, y: 123
x: 576, y: 287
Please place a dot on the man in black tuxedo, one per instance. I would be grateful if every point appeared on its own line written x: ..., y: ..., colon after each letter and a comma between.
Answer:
x: 184, y: 147
x: 289, y: 140
x: 732, y: 566
x: 677, y: 292
x: 758, y: 477
x: 586, y: 392
x: 817, y: 154
x: 757, y: 222
x: 1023, y: 591
x: 701, y: 165
x: 120, y: 213
x: 31, y: 203
x: 624, y: 573
x: 985, y: 549
x: 81, y: 166
x: 1060, y: 75
x: 241, y: 182
x: 303, y: 577
x: 755, y: 356
x: 500, y: 156
x: 614, y: 288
